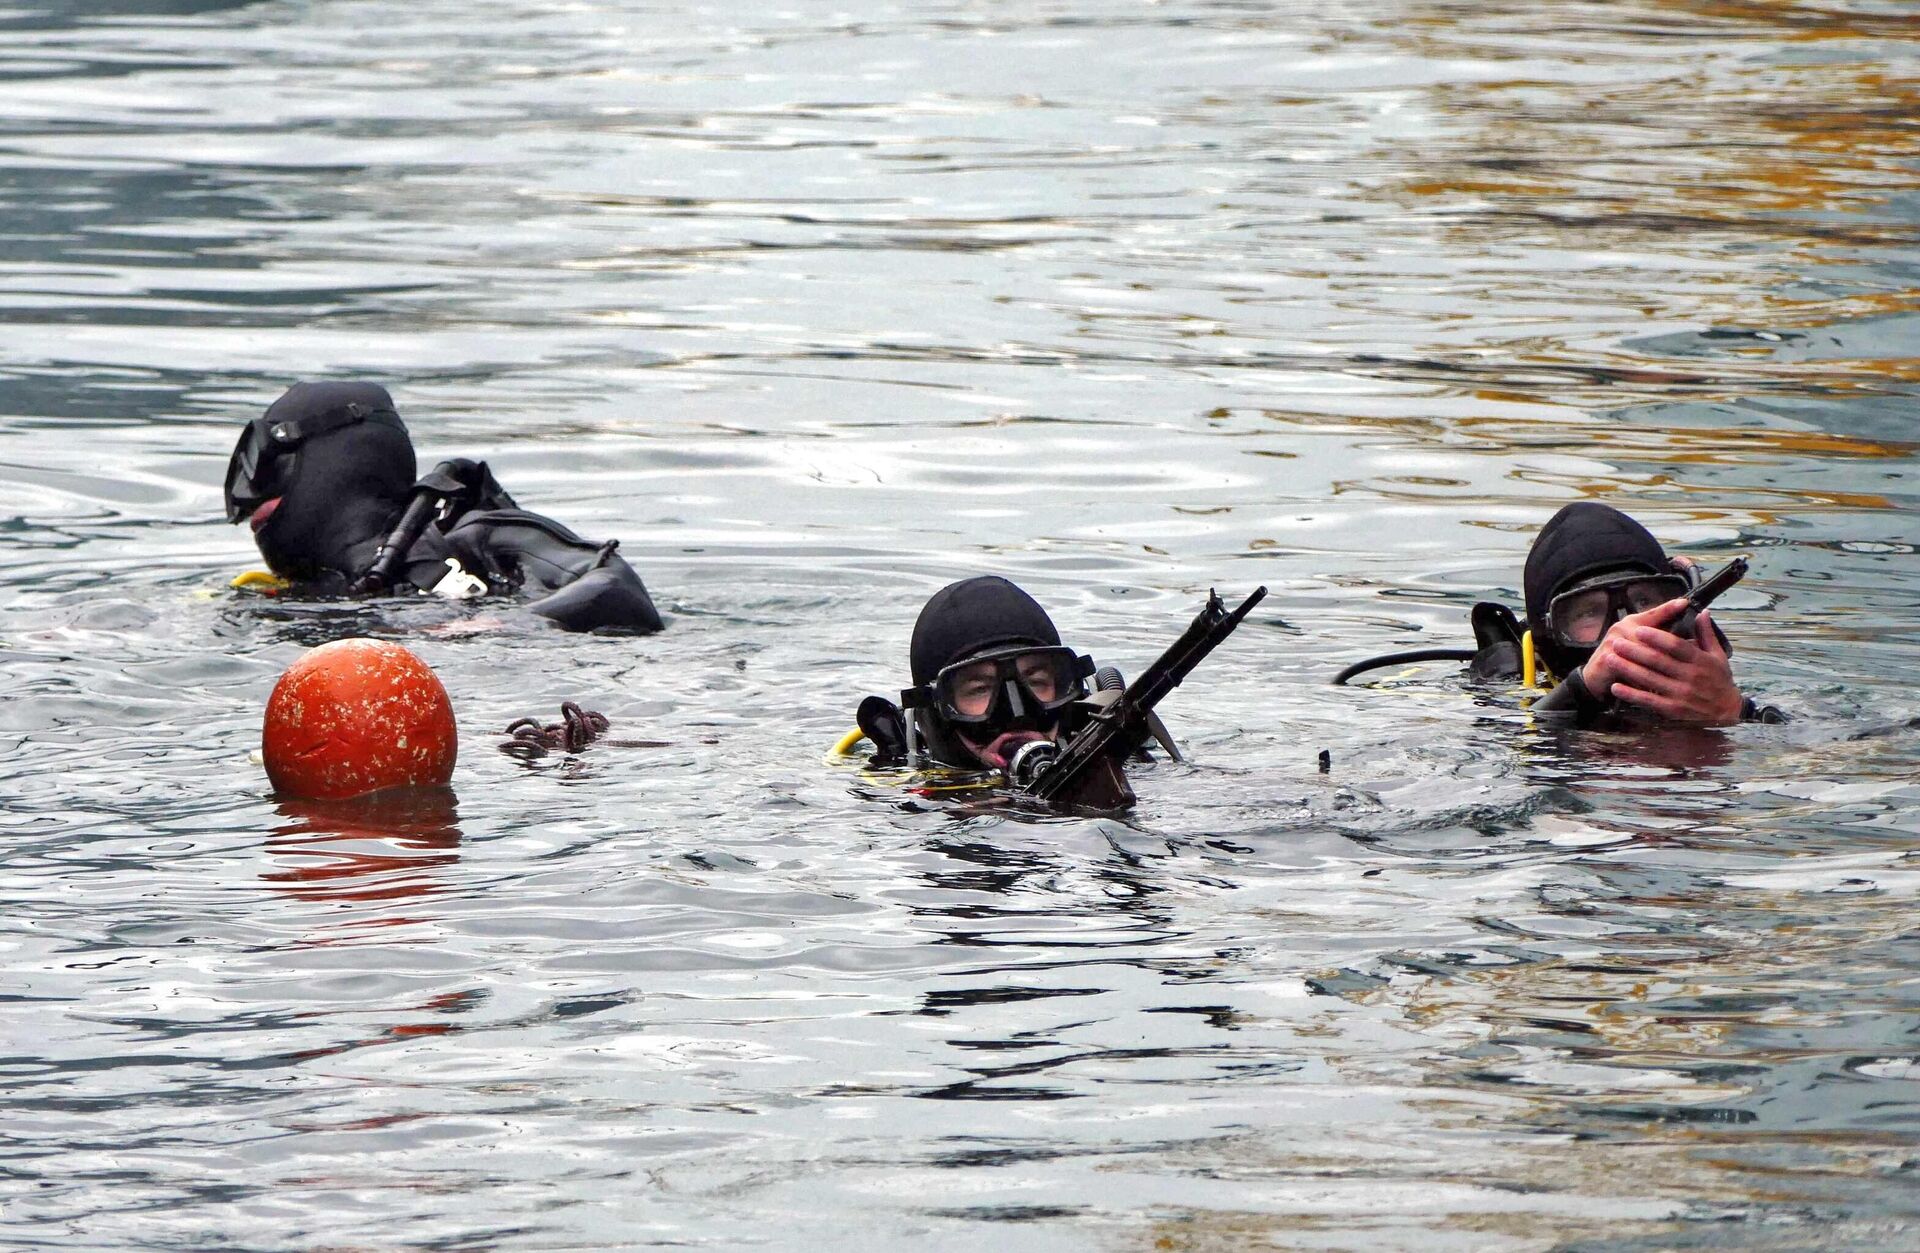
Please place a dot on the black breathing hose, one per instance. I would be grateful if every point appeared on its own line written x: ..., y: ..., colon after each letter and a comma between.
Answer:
x: 1394, y: 659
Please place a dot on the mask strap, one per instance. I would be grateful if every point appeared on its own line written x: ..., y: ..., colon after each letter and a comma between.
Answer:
x: 297, y: 431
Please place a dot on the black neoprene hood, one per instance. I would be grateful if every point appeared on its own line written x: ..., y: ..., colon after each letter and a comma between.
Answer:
x: 339, y: 490
x: 1584, y: 539
x: 972, y: 616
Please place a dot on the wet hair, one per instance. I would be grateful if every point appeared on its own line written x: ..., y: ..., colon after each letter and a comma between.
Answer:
x: 1583, y: 540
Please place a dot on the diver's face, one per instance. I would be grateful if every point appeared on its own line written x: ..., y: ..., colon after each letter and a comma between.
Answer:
x: 975, y: 686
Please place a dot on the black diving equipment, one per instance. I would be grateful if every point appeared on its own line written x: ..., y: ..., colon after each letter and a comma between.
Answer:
x: 390, y: 558
x: 455, y: 488
x: 1572, y: 695
x: 1030, y: 761
x: 885, y: 727
x: 1408, y: 657
x: 1494, y: 625
x: 1088, y: 770
x: 999, y: 688
x: 1579, y: 616
x: 256, y: 470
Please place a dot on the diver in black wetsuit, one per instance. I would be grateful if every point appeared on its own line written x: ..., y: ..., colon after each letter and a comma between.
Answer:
x: 989, y: 674
x: 326, y: 478
x: 1601, y: 596
x: 994, y: 689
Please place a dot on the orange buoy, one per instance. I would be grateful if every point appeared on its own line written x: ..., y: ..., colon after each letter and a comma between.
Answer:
x: 356, y: 716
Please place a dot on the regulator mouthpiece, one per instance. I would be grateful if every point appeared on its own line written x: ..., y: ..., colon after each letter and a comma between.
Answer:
x: 1030, y: 761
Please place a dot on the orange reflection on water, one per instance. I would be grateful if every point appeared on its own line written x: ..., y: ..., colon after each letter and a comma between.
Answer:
x: 385, y: 847
x: 1690, y: 172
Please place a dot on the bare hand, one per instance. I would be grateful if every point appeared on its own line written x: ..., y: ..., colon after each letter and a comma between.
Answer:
x: 1645, y: 665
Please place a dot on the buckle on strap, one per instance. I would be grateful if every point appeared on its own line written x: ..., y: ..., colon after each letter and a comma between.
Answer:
x: 293, y: 432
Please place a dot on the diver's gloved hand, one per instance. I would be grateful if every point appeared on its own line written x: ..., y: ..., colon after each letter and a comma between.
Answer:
x: 1642, y: 663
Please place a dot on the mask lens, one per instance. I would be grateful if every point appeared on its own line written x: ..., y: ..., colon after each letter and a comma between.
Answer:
x: 243, y: 473
x: 1579, y: 618
x: 1644, y: 594
x: 968, y: 691
x: 975, y: 691
x: 1047, y: 677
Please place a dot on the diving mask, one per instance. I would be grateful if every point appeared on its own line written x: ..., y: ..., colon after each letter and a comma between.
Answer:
x: 251, y: 480
x: 1579, y: 616
x: 1004, y: 685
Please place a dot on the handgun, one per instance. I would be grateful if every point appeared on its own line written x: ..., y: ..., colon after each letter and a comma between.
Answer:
x: 1706, y: 593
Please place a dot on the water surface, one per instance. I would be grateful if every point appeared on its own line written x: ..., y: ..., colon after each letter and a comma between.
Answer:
x: 817, y: 309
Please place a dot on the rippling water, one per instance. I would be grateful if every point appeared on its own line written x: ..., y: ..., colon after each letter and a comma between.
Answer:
x: 817, y: 308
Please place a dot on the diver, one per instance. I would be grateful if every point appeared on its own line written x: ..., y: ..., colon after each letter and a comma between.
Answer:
x: 1609, y: 629
x: 990, y: 676
x: 994, y: 690
x: 326, y: 480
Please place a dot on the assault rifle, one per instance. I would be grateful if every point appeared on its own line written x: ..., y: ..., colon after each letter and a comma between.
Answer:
x: 1089, y: 768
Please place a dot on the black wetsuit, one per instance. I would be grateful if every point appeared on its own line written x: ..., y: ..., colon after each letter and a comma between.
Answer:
x: 327, y: 475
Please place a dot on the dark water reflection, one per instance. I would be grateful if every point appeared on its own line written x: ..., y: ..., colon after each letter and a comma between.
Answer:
x: 817, y: 309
